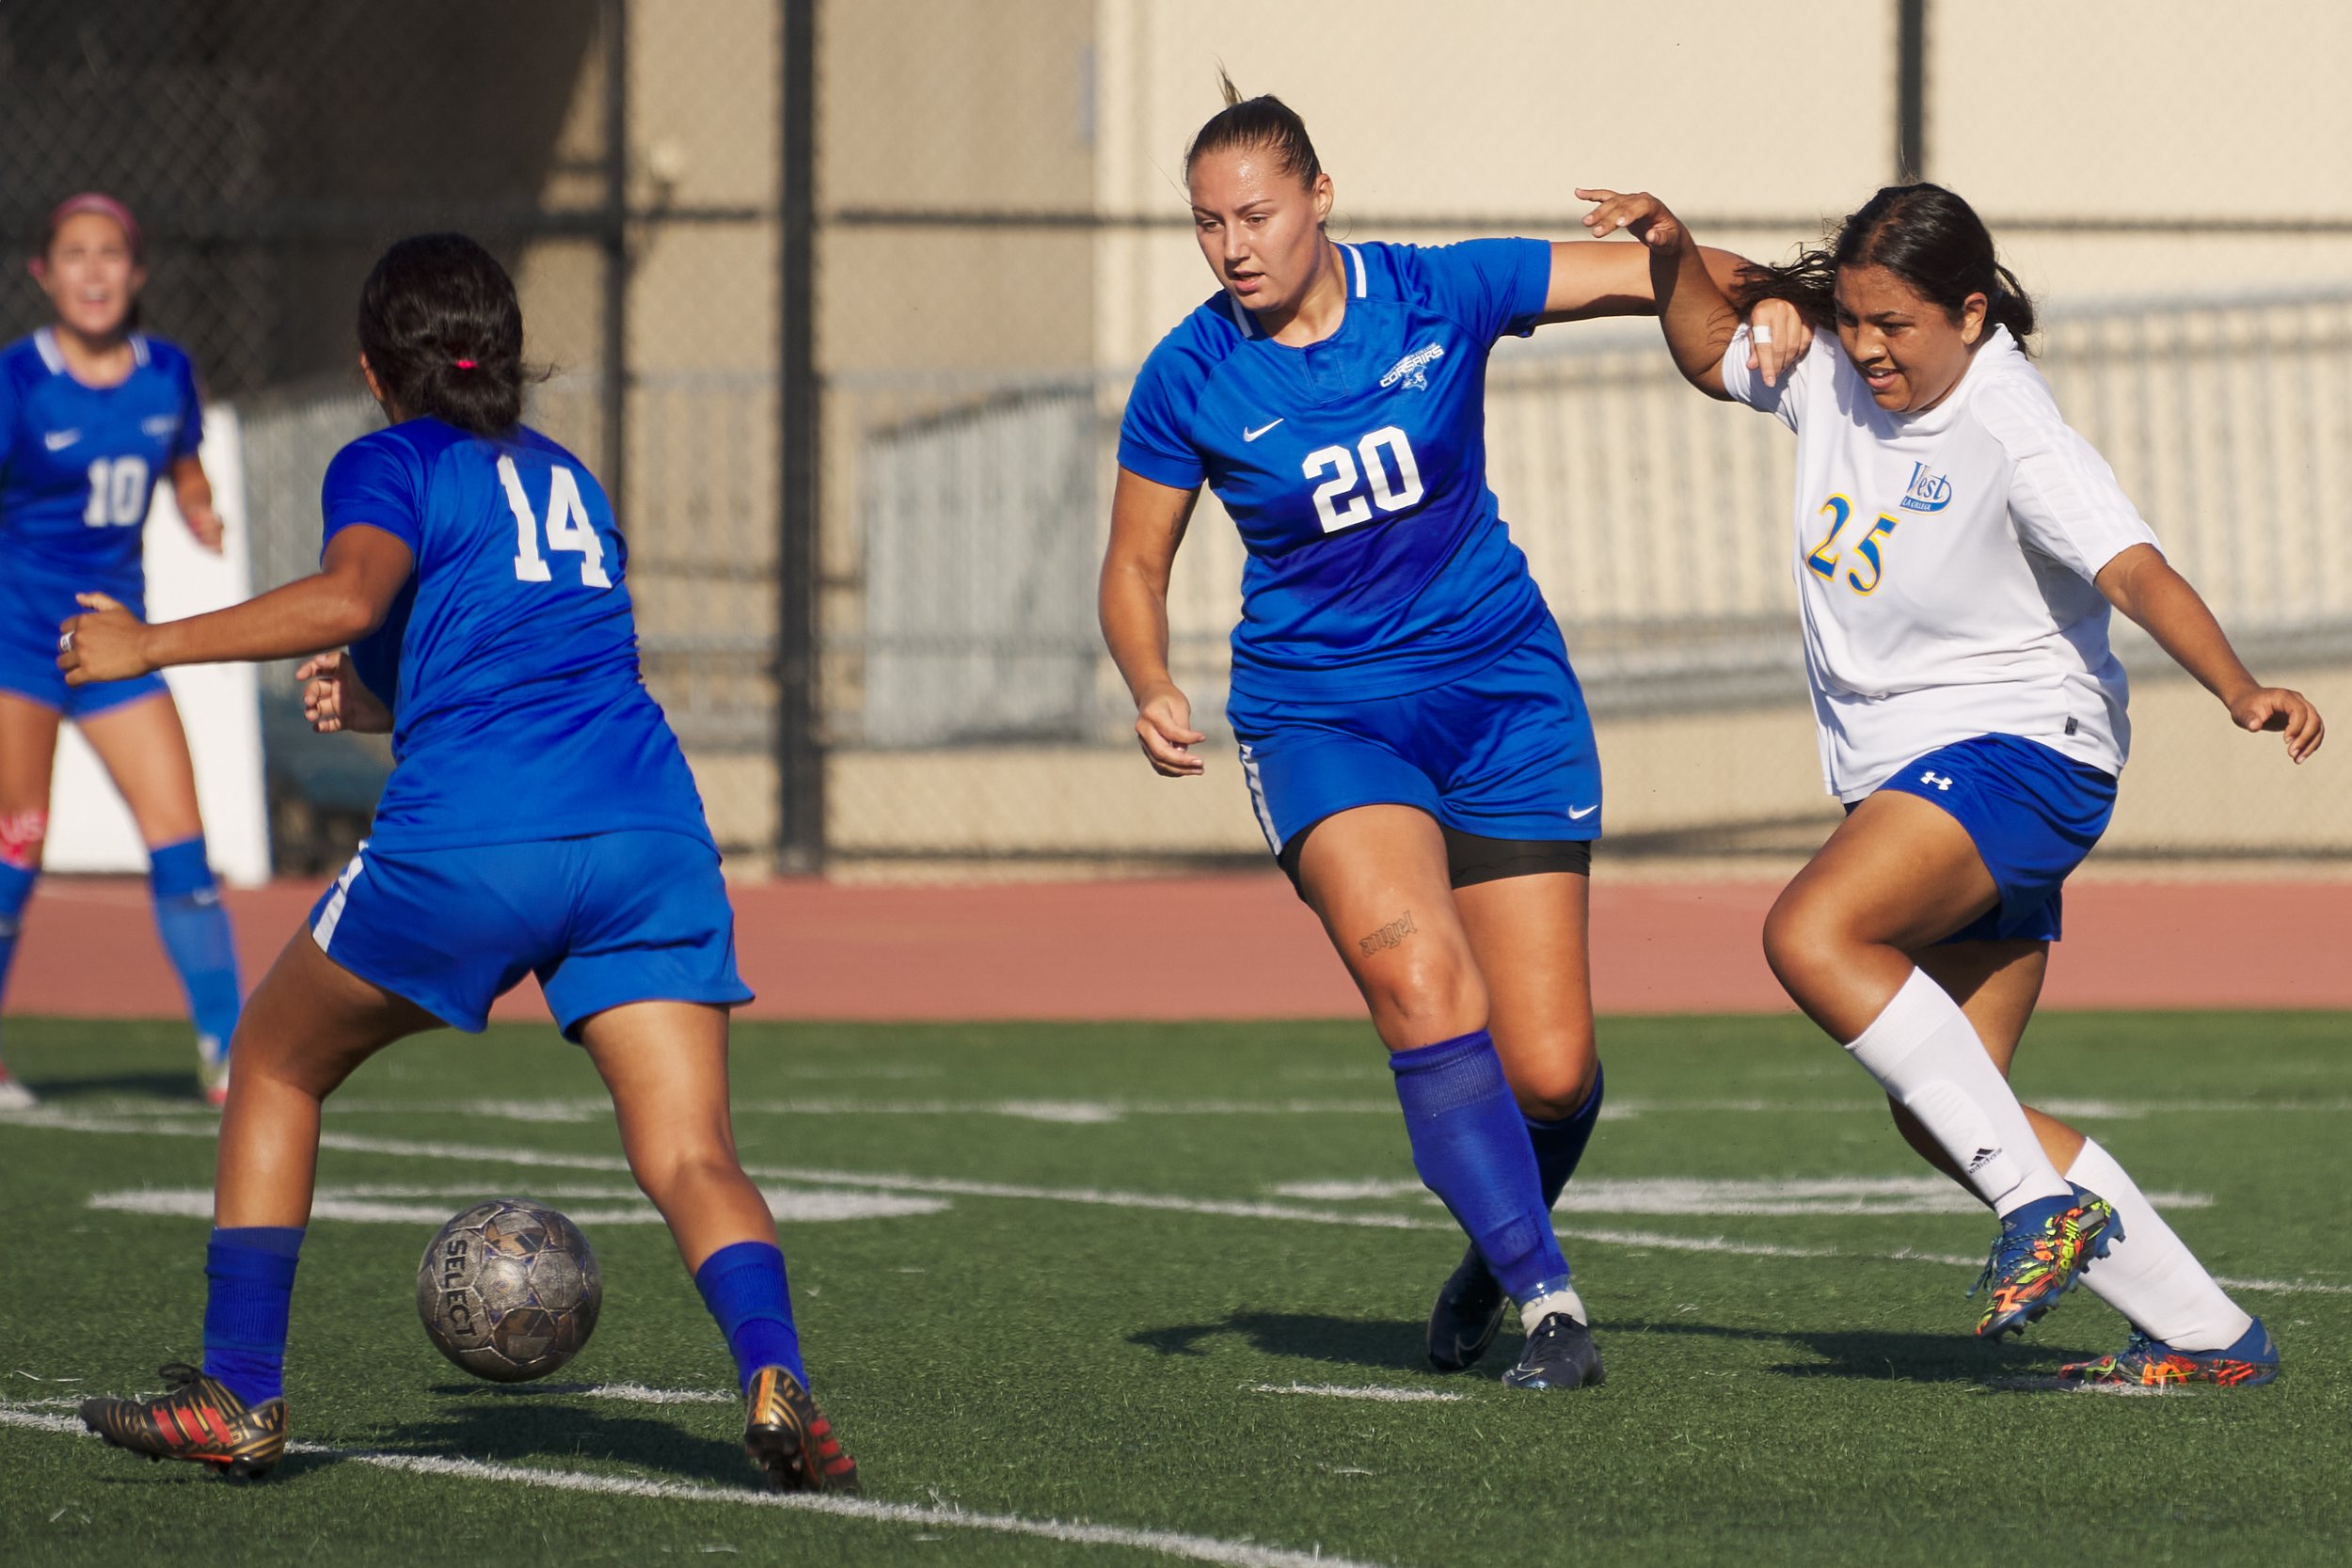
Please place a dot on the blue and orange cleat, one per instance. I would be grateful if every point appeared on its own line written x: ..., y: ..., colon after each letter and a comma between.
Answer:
x: 2041, y: 1252
x: 196, y: 1419
x: 2145, y: 1362
x: 789, y: 1439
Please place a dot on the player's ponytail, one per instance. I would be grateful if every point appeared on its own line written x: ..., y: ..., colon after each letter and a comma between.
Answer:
x: 1923, y: 234
x: 443, y: 333
x: 1261, y: 122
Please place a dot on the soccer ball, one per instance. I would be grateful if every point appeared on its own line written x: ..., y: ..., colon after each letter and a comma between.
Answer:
x: 509, y: 1291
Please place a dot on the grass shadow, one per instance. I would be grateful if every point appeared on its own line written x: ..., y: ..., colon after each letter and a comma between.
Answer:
x: 1383, y: 1344
x: 1887, y: 1355
x: 154, y: 1086
x: 508, y: 1431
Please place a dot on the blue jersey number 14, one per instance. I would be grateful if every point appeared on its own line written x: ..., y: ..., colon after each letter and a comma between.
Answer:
x: 1339, y: 504
x: 568, y: 527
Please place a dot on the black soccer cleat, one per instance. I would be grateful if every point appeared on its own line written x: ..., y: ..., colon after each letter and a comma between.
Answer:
x: 196, y: 1419
x: 1468, y: 1315
x: 1559, y: 1354
x: 789, y: 1439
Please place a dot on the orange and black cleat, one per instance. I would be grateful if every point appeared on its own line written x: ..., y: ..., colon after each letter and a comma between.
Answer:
x: 2043, y: 1251
x: 196, y: 1419
x: 2146, y: 1363
x: 789, y: 1439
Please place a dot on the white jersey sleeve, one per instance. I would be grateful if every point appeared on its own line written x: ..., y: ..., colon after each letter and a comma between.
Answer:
x: 2062, y: 495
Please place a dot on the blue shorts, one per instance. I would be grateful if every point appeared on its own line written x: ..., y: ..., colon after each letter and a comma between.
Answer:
x: 612, y: 918
x: 1505, y: 753
x: 2033, y: 811
x: 30, y: 609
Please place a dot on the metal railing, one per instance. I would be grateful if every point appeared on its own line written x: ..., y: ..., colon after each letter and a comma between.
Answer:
x: 1656, y: 521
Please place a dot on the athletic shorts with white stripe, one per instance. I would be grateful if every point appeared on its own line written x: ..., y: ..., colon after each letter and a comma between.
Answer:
x: 601, y: 920
x: 1503, y: 752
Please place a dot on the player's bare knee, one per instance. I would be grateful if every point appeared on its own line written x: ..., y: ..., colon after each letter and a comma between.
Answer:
x: 1805, y: 941
x: 1429, y: 996
x: 1557, y: 1087
x: 677, y: 1172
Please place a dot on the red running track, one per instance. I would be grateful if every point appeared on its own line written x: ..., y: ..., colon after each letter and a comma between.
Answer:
x: 1240, y: 947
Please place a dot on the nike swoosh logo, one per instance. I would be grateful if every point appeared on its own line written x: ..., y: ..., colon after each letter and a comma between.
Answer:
x: 1579, y: 813
x: 1253, y: 435
x: 57, y: 440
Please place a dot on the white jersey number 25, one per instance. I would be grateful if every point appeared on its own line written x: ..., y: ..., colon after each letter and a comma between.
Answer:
x: 568, y: 527
x: 1338, y: 502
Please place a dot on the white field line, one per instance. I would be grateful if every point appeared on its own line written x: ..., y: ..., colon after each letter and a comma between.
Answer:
x: 793, y: 1207
x: 637, y: 1393
x: 1195, y: 1548
x: 591, y: 1108
x: 950, y: 1187
x: 1676, y: 1195
x: 1393, y: 1396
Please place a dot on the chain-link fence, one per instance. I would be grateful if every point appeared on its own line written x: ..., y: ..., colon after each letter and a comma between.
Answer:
x: 866, y: 496
x: 995, y: 266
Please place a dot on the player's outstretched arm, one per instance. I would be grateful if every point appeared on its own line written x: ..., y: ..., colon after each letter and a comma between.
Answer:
x: 362, y: 573
x: 335, y: 698
x: 1698, y: 320
x: 1148, y: 521
x: 1592, y: 279
x: 2143, y: 585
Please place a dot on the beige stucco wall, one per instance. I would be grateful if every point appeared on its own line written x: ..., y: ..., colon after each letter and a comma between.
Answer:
x: 1499, y: 106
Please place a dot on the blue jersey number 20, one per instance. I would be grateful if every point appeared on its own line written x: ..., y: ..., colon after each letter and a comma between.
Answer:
x: 568, y: 527
x: 1337, y: 513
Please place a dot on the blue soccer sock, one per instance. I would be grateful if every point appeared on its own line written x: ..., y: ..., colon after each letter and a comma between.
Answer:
x: 16, y: 888
x: 195, y: 933
x: 1471, y: 1147
x: 743, y: 1286
x: 251, y: 1273
x: 1559, y: 1145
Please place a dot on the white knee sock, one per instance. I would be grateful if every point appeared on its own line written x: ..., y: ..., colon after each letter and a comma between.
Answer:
x: 2150, y: 1276
x: 1925, y: 1052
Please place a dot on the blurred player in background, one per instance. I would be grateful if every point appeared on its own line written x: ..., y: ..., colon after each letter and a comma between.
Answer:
x: 540, y: 819
x: 1416, y: 746
x: 1956, y: 549
x: 92, y: 413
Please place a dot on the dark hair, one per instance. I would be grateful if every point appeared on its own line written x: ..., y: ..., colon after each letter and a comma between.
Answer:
x: 1923, y: 234
x: 1264, y: 122
x: 443, y: 332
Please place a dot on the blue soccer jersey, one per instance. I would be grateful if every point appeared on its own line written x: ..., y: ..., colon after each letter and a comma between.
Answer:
x: 1355, y: 469
x: 510, y: 658
x: 78, y: 464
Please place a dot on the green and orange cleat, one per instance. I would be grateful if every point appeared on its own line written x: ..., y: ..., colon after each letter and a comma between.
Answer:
x: 2042, y: 1253
x: 789, y: 1439
x: 196, y: 1419
x: 2146, y: 1363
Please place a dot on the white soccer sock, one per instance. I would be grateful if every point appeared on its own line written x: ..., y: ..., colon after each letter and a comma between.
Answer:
x: 1925, y: 1052
x: 1564, y: 1299
x: 2150, y: 1276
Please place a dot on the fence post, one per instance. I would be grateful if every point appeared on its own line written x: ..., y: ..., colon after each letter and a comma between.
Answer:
x: 612, y: 461
x: 1910, y: 90
x: 799, y: 756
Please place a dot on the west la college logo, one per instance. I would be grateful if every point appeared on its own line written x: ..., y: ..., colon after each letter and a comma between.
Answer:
x: 1414, y: 369
x: 1928, y: 492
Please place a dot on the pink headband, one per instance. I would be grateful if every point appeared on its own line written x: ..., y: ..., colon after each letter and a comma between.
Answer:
x: 98, y: 202
x: 464, y: 364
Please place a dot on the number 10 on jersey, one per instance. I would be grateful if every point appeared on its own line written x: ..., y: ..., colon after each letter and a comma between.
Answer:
x: 568, y: 527
x: 1337, y: 513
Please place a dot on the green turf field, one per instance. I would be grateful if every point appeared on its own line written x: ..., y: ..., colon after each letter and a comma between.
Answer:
x: 1066, y: 1292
